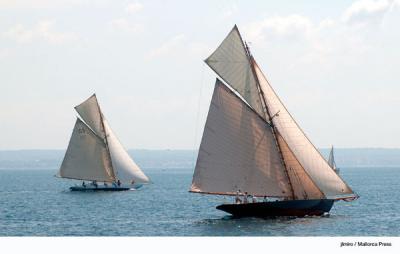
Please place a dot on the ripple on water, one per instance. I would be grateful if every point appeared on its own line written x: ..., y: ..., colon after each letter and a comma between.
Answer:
x: 42, y: 205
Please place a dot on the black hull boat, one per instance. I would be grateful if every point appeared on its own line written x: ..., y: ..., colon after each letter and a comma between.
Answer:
x: 253, y: 148
x: 297, y: 208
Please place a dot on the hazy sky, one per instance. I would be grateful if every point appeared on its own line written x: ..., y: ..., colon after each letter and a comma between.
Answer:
x: 335, y: 64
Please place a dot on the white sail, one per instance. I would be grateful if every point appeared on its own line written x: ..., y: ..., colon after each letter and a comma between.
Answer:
x: 86, y: 157
x: 89, y: 111
x: 231, y: 63
x: 81, y: 153
x: 305, y: 152
x: 238, y: 151
x: 303, y: 186
x: 125, y: 169
x: 331, y: 160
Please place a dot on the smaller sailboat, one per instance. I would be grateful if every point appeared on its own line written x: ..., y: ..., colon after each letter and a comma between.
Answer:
x: 94, y: 154
x: 332, y: 163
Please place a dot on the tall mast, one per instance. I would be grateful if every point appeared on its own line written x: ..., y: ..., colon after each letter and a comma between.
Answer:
x: 268, y: 115
x: 106, y: 142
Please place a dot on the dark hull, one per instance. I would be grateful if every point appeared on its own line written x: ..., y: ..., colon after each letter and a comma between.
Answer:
x: 79, y: 188
x: 298, y: 208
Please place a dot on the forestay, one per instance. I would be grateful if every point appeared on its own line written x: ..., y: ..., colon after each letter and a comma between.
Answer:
x: 238, y: 151
x: 86, y: 157
x: 305, y: 152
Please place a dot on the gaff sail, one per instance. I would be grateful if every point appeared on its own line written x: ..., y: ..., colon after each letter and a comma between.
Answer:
x: 95, y: 153
x: 271, y: 158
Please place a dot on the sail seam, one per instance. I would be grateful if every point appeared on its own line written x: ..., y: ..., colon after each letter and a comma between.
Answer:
x: 309, y: 141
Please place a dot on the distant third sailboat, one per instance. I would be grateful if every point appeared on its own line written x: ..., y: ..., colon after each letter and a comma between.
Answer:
x: 332, y: 163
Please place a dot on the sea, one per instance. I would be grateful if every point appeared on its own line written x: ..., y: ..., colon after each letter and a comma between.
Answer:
x: 35, y: 203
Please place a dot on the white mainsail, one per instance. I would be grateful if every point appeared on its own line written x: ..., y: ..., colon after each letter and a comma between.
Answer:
x: 86, y: 157
x: 307, y: 172
x: 238, y: 151
x: 107, y: 151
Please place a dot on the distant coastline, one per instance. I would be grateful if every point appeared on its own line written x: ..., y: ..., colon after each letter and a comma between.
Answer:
x: 185, y: 159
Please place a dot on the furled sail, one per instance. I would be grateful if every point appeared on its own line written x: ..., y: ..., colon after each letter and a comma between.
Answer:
x: 305, y: 152
x: 238, y: 151
x: 125, y: 168
x: 231, y: 63
x: 86, y: 157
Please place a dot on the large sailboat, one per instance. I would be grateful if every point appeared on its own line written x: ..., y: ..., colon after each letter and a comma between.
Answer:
x: 331, y: 161
x: 94, y: 154
x: 252, y: 146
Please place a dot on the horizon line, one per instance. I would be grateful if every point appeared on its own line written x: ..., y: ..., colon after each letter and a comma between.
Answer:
x: 182, y: 149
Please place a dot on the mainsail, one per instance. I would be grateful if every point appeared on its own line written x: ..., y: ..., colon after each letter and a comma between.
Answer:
x: 228, y: 155
x: 86, y: 157
x: 94, y: 152
x: 237, y: 151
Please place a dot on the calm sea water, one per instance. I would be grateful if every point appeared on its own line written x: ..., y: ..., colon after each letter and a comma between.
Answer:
x: 34, y: 203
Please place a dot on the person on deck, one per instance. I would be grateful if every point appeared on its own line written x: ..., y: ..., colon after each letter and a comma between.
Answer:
x: 84, y: 184
x: 245, y: 201
x: 95, y: 183
x: 237, y: 198
x: 119, y: 183
x: 253, y: 199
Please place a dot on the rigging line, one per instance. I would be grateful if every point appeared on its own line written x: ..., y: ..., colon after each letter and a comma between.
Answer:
x: 301, y: 130
x: 198, y: 113
x: 106, y: 140
x: 268, y: 114
x: 305, y: 195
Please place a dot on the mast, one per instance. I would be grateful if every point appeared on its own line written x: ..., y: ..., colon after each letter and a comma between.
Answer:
x: 268, y: 115
x: 106, y: 141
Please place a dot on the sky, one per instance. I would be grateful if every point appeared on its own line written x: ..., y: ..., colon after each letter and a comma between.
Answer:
x: 334, y: 64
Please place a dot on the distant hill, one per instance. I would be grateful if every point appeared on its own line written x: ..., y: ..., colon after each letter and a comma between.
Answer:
x: 185, y: 159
